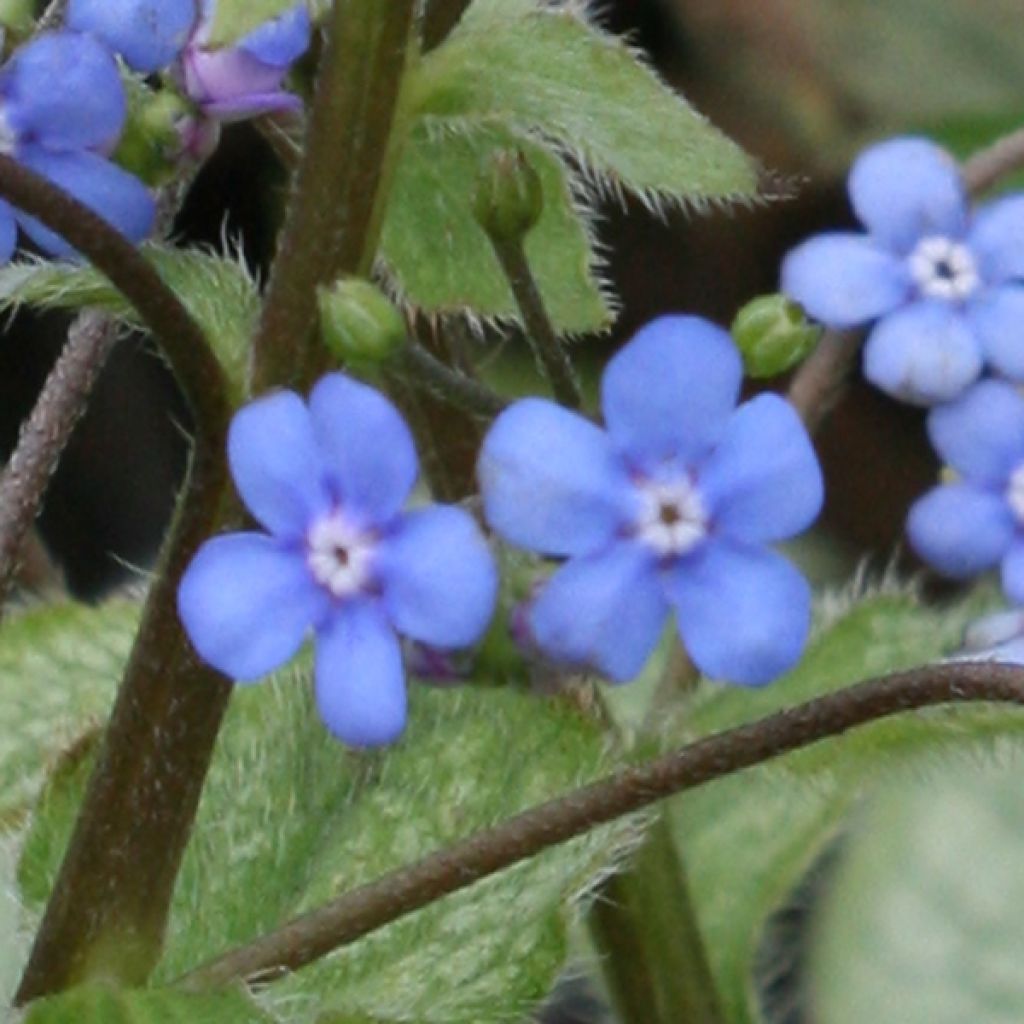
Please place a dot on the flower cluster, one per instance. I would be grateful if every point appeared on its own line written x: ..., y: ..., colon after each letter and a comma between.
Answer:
x: 671, y: 509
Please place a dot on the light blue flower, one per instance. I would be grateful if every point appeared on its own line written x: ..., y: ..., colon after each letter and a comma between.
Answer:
x: 976, y: 523
x: 668, y: 509
x: 62, y: 108
x: 148, y: 34
x: 328, y: 480
x: 943, y: 282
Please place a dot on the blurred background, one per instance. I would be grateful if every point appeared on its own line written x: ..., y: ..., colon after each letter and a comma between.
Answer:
x: 800, y: 84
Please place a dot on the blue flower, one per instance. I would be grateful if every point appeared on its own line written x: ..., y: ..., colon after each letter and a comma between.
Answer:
x: 328, y: 481
x: 668, y: 510
x: 61, y: 108
x: 977, y: 522
x: 943, y: 283
x: 997, y: 637
x: 148, y: 34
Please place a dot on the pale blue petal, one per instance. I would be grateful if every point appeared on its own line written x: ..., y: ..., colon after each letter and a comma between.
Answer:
x: 1013, y: 571
x: 280, y: 41
x: 605, y: 611
x: 844, y: 279
x: 923, y: 354
x: 148, y: 33
x: 907, y: 189
x: 960, y: 530
x: 246, y: 602
x: 63, y: 91
x: 996, y: 316
x: 438, y: 579
x: 360, y: 681
x: 551, y: 481
x: 981, y: 434
x: 276, y: 465
x: 996, y: 239
x: 669, y: 392
x: 743, y: 612
x: 117, y: 196
x: 368, y: 450
x: 8, y: 231
x: 763, y: 482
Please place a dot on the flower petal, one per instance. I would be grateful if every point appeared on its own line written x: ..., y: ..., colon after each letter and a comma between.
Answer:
x: 924, y: 353
x: 117, y: 196
x: 669, y: 392
x: 744, y: 612
x: 605, y: 611
x: 981, y: 434
x: 281, y: 40
x: 763, y: 481
x: 550, y: 480
x: 148, y: 33
x: 996, y: 315
x: 907, y: 189
x: 360, y: 681
x: 845, y: 279
x: 276, y: 464
x: 438, y: 577
x: 996, y: 239
x: 368, y: 450
x: 960, y: 530
x: 246, y: 602
x: 1013, y: 572
x: 8, y: 231
x: 62, y: 91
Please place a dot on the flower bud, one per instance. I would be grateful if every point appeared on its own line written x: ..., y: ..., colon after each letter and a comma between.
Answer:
x: 151, y: 140
x: 359, y: 322
x: 773, y: 335
x: 17, y: 16
x: 509, y: 196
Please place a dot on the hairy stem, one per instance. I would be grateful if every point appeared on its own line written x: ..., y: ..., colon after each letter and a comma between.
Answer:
x: 334, y: 217
x: 108, y: 909
x: 990, y: 165
x: 352, y: 915
x: 45, y: 434
x: 422, y: 370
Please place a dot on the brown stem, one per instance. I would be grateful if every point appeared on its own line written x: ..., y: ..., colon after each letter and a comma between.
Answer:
x: 334, y: 216
x: 422, y: 370
x: 990, y: 165
x: 352, y: 915
x: 46, y: 432
x: 440, y: 18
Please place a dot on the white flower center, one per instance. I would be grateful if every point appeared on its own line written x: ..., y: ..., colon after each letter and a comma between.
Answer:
x: 672, y: 518
x: 8, y: 138
x: 1015, y: 493
x: 339, y: 555
x: 943, y: 269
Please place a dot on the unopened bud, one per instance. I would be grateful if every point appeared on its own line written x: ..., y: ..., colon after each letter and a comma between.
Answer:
x: 150, y: 143
x: 359, y: 322
x: 17, y: 16
x: 773, y: 335
x: 509, y: 196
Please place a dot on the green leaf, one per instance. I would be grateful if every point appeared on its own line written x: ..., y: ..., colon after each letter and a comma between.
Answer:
x: 220, y: 293
x: 748, y: 839
x: 14, y: 936
x: 98, y: 1004
x: 923, y: 922
x: 59, y: 669
x: 547, y: 68
x: 439, y: 256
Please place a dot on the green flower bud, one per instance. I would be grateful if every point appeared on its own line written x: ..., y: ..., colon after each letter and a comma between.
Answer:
x: 509, y: 196
x: 17, y: 16
x: 773, y: 335
x: 150, y: 143
x: 359, y: 322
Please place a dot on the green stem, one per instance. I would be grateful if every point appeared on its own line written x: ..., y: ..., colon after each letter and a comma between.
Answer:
x: 334, y: 218
x: 423, y: 370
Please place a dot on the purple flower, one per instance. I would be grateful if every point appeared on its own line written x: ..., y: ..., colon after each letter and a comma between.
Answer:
x: 976, y: 523
x: 328, y: 481
x: 61, y: 108
x: 149, y: 34
x: 667, y: 510
x: 244, y: 80
x: 943, y: 282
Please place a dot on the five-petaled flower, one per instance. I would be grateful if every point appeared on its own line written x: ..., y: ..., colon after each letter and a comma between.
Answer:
x: 977, y: 522
x: 328, y: 480
x: 943, y: 282
x: 670, y: 509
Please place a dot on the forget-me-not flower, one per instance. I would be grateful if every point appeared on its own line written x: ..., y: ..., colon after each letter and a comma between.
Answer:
x: 62, y: 108
x: 148, y: 34
x: 668, y: 509
x: 977, y: 522
x: 328, y: 480
x: 942, y: 281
